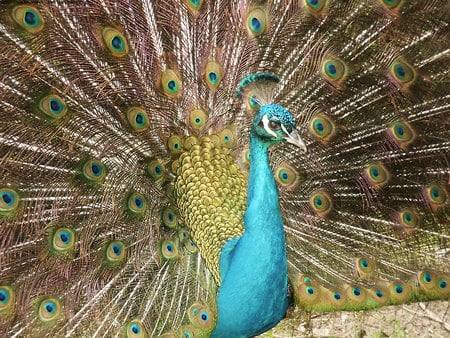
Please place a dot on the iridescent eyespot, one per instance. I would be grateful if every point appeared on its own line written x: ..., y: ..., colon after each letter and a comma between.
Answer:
x: 443, y: 284
x: 194, y: 5
x: 115, y: 252
x: 201, y: 317
x: 257, y: 22
x: 364, y: 266
x: 227, y: 138
x: 334, y: 70
x: 213, y: 74
x: 402, y: 133
x: 7, y: 297
x: 175, y: 144
x: 402, y: 72
x: 156, y: 170
x: 245, y: 156
x: 188, y: 331
x: 115, y: 42
x: 356, y: 294
x: 379, y: 295
x: 409, y: 218
x: 308, y: 294
x: 315, y: 6
x: 436, y: 195
x: 252, y: 103
x: 9, y: 200
x: 321, y: 127
x: 53, y: 106
x: 197, y: 119
x: 171, y: 83
x: 135, y: 329
x: 63, y: 240
x: 183, y: 235
x: 138, y: 119
x: 169, y: 249
x: 28, y: 17
x: 336, y: 298
x: 287, y: 176
x: 49, y: 309
x: 377, y: 175
x: 392, y: 4
x: 136, y: 204
x: 169, y: 218
x: 190, y: 246
x: 399, y: 292
x: 321, y: 203
x: 94, y: 171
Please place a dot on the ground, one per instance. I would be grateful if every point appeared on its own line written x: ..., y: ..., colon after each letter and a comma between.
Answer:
x: 414, y: 320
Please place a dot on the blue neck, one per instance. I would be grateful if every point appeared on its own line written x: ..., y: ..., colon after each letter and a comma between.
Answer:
x: 253, y: 295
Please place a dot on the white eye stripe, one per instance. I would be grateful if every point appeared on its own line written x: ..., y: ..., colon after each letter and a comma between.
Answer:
x: 265, y: 121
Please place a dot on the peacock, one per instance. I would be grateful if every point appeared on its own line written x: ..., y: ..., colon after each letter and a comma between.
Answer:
x: 200, y: 168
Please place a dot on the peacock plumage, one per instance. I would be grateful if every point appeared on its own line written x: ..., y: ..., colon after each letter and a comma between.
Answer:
x: 201, y: 168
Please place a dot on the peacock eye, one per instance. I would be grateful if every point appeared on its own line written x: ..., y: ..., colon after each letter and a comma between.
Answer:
x: 274, y: 125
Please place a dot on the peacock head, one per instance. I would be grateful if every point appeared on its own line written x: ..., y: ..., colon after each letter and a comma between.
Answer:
x: 275, y: 124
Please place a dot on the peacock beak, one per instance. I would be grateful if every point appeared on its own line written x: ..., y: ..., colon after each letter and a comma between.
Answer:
x: 295, y: 139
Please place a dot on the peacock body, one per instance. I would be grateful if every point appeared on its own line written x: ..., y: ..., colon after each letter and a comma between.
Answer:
x: 197, y: 168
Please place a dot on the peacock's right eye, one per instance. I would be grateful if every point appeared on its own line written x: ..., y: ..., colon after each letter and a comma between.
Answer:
x: 274, y: 125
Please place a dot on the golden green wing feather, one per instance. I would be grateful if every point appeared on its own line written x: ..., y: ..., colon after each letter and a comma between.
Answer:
x: 211, y: 195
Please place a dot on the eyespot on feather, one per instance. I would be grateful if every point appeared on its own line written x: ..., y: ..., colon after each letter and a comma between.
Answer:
x: 194, y: 6
x: 49, y: 310
x: 287, y: 176
x: 7, y: 298
x: 94, y: 171
x: 213, y: 74
x: 115, y: 42
x: 156, y: 170
x: 63, y: 240
x: 201, y: 317
x: 379, y: 294
x: 169, y: 218
x: 175, y: 144
x: 399, y: 292
x: 169, y: 249
x: 321, y: 203
x: 136, y: 204
x: 53, y: 106
x: 402, y: 133
x: 135, y: 329
x: 28, y: 18
x: 257, y: 22
x: 316, y: 7
x: 171, y: 83
x: 436, y: 195
x: 138, y: 119
x: 322, y: 128
x: 334, y: 70
x: 377, y: 175
x: 9, y: 200
x: 115, y: 253
x: 409, y: 218
x: 197, y: 119
x: 392, y: 4
x: 402, y: 73
x: 226, y: 137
